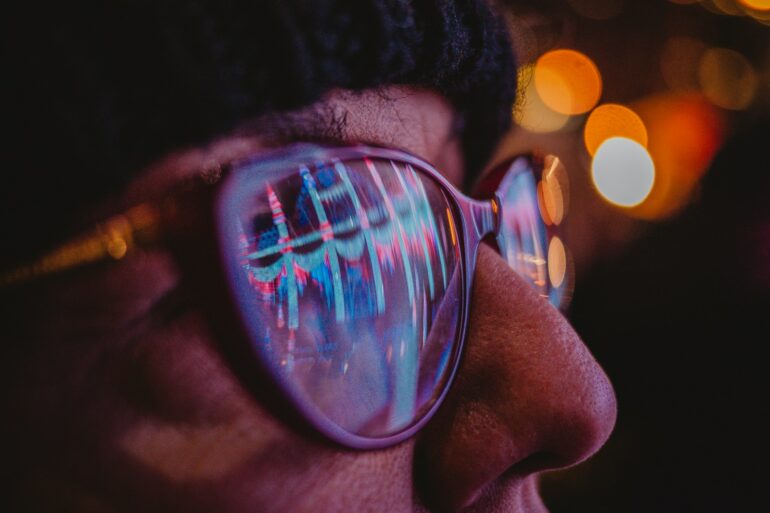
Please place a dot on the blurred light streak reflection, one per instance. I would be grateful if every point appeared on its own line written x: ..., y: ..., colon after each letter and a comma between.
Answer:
x: 760, y: 5
x: 332, y: 249
x: 553, y: 191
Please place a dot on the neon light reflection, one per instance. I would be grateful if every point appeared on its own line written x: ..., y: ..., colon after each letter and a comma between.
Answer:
x: 355, y: 269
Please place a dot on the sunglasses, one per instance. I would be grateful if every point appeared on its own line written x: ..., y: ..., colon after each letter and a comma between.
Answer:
x: 347, y: 273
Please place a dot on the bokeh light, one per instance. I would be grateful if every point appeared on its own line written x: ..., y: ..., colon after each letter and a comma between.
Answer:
x: 553, y: 191
x: 757, y: 9
x: 623, y: 171
x: 762, y: 17
x: 597, y: 9
x: 760, y: 5
x: 557, y: 262
x: 567, y: 81
x: 613, y: 120
x: 679, y: 62
x: 530, y: 112
x: 727, y: 79
x: 728, y: 7
x: 685, y: 131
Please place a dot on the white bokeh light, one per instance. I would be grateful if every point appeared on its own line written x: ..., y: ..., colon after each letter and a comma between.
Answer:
x: 623, y: 171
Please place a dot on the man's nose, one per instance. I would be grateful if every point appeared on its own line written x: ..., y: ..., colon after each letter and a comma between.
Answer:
x: 528, y: 395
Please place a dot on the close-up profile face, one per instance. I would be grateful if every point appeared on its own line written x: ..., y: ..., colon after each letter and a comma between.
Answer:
x: 297, y: 307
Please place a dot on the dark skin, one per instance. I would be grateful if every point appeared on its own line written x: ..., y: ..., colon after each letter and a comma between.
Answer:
x: 149, y: 416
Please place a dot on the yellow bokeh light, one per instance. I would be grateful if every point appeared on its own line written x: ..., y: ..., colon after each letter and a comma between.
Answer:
x: 613, y: 120
x: 557, y: 262
x: 759, y: 5
x: 568, y: 81
x: 727, y: 79
x: 623, y: 171
x: 530, y: 112
x: 757, y: 9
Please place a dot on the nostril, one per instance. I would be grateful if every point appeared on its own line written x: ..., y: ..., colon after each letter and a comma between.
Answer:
x: 536, y: 462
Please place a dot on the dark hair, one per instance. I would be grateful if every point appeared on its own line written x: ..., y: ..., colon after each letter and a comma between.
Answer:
x: 94, y: 94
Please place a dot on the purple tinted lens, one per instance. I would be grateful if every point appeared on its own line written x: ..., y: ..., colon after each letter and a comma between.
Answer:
x: 530, y: 246
x: 349, y: 277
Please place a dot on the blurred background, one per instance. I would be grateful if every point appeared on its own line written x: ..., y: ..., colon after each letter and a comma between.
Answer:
x: 659, y: 109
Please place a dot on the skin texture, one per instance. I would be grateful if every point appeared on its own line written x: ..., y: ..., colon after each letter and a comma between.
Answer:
x: 149, y: 417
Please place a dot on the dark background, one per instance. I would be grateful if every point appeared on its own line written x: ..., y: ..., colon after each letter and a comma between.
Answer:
x: 676, y: 307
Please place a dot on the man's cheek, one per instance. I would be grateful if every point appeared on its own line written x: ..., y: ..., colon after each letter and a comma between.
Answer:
x: 194, y: 421
x: 183, y: 453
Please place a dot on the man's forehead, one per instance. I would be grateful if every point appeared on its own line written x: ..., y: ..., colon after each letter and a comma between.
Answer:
x: 416, y: 120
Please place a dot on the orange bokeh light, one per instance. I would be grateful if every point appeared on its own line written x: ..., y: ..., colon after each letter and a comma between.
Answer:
x: 567, y: 81
x: 685, y: 132
x: 613, y: 120
x: 759, y: 5
x: 531, y: 112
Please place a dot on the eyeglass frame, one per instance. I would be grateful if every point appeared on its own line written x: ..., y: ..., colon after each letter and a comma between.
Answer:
x: 176, y: 220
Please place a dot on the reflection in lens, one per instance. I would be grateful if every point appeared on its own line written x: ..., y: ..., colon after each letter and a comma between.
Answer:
x: 553, y: 191
x: 760, y: 5
x: 523, y: 237
x: 557, y: 261
x: 354, y: 280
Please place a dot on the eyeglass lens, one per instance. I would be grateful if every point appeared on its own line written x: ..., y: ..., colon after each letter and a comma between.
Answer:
x: 356, y: 280
x: 530, y: 212
x: 351, y: 279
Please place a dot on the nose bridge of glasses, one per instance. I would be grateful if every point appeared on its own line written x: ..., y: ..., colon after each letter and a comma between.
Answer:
x: 484, y: 216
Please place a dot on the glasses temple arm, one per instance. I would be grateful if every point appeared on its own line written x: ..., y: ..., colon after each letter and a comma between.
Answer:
x: 139, y: 226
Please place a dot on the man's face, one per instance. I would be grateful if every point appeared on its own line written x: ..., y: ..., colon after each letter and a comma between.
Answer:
x: 127, y: 405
